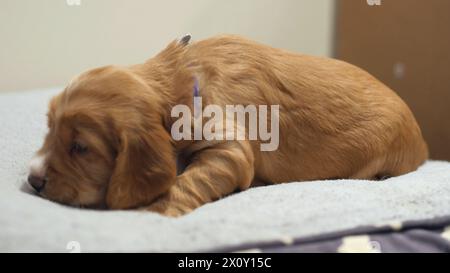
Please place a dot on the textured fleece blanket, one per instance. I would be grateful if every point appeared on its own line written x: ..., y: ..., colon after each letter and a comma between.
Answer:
x: 264, y: 214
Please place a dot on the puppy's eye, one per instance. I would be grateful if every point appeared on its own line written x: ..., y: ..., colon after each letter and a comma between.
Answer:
x: 78, y: 148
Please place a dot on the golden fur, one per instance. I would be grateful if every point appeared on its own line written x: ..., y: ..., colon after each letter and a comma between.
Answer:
x: 336, y: 121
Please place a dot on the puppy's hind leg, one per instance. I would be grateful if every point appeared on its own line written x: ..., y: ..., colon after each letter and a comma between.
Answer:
x: 402, y: 158
x: 371, y: 171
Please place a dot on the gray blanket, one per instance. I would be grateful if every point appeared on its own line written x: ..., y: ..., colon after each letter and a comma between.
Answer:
x: 264, y: 214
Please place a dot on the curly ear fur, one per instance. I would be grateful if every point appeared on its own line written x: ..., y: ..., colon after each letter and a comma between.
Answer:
x: 145, y: 168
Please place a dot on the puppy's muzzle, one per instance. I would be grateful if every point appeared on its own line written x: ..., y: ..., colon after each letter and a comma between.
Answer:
x: 37, y: 182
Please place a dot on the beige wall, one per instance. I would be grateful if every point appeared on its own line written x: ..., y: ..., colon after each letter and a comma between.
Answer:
x: 46, y: 42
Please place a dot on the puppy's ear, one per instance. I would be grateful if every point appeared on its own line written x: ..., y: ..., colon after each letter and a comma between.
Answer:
x: 145, y: 168
x: 185, y: 40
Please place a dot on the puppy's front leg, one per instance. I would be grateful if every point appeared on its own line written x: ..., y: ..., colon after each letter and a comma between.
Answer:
x: 214, y: 173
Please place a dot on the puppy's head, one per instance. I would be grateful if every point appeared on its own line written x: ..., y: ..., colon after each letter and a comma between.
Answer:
x: 106, y: 145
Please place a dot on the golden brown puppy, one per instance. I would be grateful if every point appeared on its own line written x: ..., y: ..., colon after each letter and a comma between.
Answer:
x: 109, y: 143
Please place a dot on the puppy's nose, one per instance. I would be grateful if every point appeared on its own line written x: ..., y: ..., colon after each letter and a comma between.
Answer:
x: 36, y: 182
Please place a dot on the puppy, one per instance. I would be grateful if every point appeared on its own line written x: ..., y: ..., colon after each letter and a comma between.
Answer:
x: 109, y: 143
